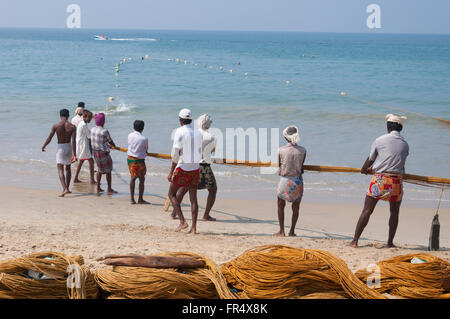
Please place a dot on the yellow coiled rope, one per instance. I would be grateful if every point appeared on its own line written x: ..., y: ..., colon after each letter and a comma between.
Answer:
x: 15, y: 281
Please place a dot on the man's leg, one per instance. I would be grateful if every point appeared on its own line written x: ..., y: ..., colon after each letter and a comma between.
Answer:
x: 77, y: 173
x: 132, y: 187
x: 91, y: 171
x: 141, y: 191
x: 110, y: 191
x: 99, y: 178
x: 369, y: 206
x: 180, y: 194
x: 176, y: 206
x: 194, y: 209
x: 209, y: 203
x: 281, y: 205
x: 393, y: 222
x: 68, y: 177
x: 295, y: 209
x: 62, y: 179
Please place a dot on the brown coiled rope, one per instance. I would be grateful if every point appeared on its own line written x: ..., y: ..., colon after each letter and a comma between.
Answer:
x: 151, y: 283
x: 400, y: 277
x: 15, y: 284
x: 276, y: 271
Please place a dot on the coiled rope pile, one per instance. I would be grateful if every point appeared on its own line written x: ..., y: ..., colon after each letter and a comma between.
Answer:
x: 400, y: 277
x: 62, y: 277
x: 271, y: 271
x: 276, y: 271
x: 151, y: 283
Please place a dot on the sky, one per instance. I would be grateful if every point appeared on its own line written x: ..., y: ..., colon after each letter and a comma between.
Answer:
x: 397, y: 16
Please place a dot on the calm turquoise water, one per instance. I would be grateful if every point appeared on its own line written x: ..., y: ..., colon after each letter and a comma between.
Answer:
x: 42, y: 71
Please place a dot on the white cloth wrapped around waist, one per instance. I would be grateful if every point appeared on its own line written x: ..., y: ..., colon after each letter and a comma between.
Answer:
x: 64, y: 154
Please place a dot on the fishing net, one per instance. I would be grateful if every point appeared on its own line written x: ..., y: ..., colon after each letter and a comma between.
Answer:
x: 412, y: 276
x: 152, y: 283
x: 46, y: 275
x: 276, y: 271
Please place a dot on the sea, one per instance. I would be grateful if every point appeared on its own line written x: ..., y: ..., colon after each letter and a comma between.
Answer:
x: 335, y: 87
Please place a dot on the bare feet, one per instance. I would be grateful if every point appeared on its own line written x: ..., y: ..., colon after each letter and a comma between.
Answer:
x: 279, y: 234
x: 133, y: 202
x: 111, y: 191
x: 390, y: 245
x: 192, y: 231
x: 99, y: 190
x: 353, y: 244
x: 292, y: 234
x: 65, y: 192
x: 173, y: 215
x: 208, y: 218
x: 144, y: 202
x: 182, y: 226
x: 76, y: 180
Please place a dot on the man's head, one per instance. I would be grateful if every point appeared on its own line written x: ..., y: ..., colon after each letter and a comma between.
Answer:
x: 64, y: 113
x: 87, y: 116
x: 204, y: 121
x: 394, y: 122
x: 80, y: 108
x: 138, y: 125
x: 185, y: 116
x: 99, y: 119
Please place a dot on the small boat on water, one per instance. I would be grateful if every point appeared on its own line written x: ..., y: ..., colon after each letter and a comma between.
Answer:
x: 100, y: 37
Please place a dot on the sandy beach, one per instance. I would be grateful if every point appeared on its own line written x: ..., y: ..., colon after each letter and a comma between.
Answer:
x: 83, y: 223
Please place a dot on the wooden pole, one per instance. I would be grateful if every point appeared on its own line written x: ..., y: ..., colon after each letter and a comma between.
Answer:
x: 154, y: 261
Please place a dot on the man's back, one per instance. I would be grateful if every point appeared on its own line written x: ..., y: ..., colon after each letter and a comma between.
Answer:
x: 389, y: 152
x: 64, y: 131
x: 189, y: 141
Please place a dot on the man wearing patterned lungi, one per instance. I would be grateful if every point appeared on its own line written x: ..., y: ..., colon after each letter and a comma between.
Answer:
x: 387, y: 162
x: 137, y: 151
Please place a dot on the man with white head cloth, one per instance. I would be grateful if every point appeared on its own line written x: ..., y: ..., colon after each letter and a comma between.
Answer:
x: 290, y: 160
x: 387, y: 162
x: 207, y: 179
x: 78, y: 118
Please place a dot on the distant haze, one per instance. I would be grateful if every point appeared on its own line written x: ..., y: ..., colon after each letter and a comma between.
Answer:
x: 397, y: 16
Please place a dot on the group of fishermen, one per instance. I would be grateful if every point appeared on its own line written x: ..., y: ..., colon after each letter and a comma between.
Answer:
x: 191, y: 165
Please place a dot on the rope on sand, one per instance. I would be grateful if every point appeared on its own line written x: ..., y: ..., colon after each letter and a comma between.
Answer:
x: 271, y: 271
x: 430, y: 278
x: 276, y: 271
x: 46, y: 275
x: 152, y: 283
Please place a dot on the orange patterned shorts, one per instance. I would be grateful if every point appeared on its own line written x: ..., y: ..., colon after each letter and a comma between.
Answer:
x: 386, y: 187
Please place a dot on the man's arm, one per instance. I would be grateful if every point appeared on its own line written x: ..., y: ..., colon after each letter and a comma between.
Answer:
x: 175, y: 158
x: 303, y: 163
x: 367, y: 167
x: 110, y: 141
x: 49, y: 138
x: 74, y: 143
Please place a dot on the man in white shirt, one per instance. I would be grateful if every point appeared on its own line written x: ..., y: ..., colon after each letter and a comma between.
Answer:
x: 78, y: 118
x: 84, y: 148
x: 137, y: 151
x: 207, y: 179
x: 185, y: 170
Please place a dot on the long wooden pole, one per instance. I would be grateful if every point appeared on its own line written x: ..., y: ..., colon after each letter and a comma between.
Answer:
x: 316, y: 168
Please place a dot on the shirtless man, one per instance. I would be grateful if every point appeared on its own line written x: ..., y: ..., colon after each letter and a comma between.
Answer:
x: 66, y: 150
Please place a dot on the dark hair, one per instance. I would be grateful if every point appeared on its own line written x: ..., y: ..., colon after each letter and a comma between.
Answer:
x: 86, y: 112
x: 393, y: 126
x: 186, y: 121
x: 64, y: 113
x: 138, y: 125
x: 81, y: 104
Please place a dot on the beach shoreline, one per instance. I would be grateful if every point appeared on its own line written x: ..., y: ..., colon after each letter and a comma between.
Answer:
x: 83, y: 223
